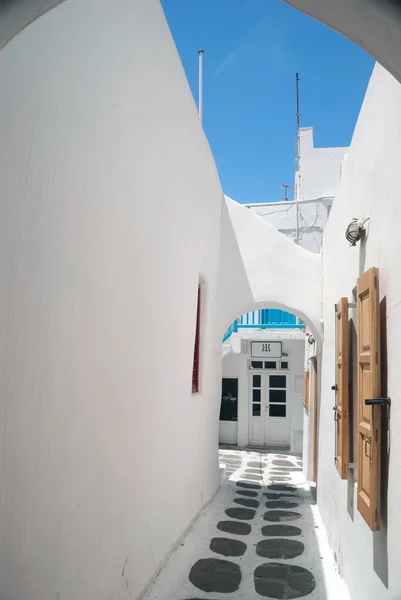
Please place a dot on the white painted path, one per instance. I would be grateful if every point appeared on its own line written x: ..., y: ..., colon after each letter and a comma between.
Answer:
x: 284, y: 550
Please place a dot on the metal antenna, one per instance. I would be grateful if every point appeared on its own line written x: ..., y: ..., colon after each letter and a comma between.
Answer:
x: 200, y: 105
x: 286, y: 188
x: 298, y: 184
x: 298, y: 113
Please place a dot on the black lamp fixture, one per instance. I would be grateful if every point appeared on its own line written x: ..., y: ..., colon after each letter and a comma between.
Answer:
x: 355, y: 231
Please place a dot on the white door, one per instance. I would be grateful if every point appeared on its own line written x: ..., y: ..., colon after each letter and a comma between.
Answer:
x: 269, y: 421
x: 257, y: 416
x: 277, y: 410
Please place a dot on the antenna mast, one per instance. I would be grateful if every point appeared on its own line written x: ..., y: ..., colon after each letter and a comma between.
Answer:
x: 298, y: 182
x: 200, y: 105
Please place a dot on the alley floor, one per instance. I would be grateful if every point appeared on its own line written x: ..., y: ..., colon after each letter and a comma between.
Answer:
x: 261, y: 536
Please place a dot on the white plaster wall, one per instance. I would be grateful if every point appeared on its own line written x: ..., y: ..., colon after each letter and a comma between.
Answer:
x: 283, y: 216
x: 105, y: 176
x: 248, y: 277
x: 370, y: 187
x: 320, y: 167
x: 228, y: 432
x: 231, y: 365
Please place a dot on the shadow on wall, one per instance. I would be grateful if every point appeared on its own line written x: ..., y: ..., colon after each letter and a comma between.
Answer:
x: 362, y: 256
x: 380, y: 551
x: 352, y: 413
x: 15, y: 15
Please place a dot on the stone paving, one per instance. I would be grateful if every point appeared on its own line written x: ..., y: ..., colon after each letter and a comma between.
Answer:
x: 260, y: 537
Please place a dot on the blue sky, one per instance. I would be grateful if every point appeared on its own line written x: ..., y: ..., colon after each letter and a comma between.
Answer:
x: 253, y: 48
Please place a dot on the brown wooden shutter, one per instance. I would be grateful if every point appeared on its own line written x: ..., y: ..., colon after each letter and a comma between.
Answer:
x: 369, y: 443
x: 342, y: 395
x: 195, y: 367
x: 305, y: 399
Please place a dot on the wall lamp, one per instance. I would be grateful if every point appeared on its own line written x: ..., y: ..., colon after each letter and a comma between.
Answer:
x: 355, y: 231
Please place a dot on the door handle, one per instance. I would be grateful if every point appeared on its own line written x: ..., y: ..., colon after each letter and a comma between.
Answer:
x: 334, y: 387
x: 378, y: 402
x: 335, y: 413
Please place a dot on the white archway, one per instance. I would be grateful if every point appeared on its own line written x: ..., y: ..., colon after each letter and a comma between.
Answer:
x: 374, y: 25
x: 273, y: 271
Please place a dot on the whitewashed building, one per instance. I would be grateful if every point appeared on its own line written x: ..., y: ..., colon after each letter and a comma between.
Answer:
x: 262, y: 390
x: 111, y: 207
x: 316, y: 184
x: 243, y: 420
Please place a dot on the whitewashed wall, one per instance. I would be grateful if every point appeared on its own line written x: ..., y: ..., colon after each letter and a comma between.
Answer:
x: 369, y: 188
x: 105, y: 176
x: 231, y: 365
x: 248, y: 277
x: 320, y: 168
x: 228, y: 432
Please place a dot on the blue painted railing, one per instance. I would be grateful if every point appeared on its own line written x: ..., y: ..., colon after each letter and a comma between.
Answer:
x: 267, y: 318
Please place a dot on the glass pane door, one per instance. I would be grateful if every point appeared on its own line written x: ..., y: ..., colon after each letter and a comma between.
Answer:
x: 256, y: 395
x: 257, y: 409
x: 277, y: 411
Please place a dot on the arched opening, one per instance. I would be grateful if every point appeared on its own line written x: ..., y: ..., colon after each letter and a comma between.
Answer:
x: 269, y: 316
x: 269, y: 356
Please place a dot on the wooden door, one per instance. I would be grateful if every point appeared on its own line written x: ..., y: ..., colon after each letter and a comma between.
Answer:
x: 305, y: 399
x: 315, y: 419
x: 369, y: 442
x: 342, y: 389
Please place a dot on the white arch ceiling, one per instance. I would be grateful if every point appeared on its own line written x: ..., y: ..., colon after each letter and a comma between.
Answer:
x: 375, y: 25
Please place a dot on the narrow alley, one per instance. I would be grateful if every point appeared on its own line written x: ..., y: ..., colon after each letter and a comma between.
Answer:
x: 260, y: 536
